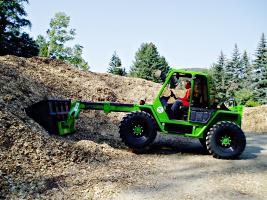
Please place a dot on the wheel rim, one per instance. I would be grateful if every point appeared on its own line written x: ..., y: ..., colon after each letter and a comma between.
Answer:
x: 226, y: 141
x: 137, y: 130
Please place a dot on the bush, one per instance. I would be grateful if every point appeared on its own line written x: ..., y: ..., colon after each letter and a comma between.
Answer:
x: 243, y: 95
x: 251, y: 103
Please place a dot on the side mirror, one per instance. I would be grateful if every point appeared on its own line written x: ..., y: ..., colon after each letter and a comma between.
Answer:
x: 162, y: 74
x: 157, y: 73
x: 174, y: 81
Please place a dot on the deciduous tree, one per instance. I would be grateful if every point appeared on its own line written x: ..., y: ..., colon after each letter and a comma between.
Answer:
x: 57, y: 36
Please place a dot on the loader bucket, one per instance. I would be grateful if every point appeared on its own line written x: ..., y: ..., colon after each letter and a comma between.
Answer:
x: 50, y: 114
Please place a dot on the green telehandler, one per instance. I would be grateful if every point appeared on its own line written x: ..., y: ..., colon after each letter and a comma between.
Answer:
x: 217, y: 126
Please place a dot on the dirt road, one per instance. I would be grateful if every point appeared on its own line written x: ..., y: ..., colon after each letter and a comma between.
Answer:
x: 194, y: 175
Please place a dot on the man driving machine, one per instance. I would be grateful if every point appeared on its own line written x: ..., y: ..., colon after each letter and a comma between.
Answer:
x: 184, y: 101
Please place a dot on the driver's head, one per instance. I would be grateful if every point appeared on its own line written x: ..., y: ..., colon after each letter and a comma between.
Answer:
x: 187, y: 84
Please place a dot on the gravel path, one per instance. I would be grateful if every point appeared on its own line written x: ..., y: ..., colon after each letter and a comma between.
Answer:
x: 185, y: 172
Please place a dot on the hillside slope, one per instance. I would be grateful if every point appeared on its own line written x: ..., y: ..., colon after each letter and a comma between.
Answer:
x: 38, y: 164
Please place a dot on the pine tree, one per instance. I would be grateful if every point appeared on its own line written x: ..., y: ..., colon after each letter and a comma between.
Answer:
x: 12, y: 40
x: 233, y: 73
x: 218, y: 76
x: 58, y: 35
x: 238, y: 65
x: 261, y: 55
x: 260, y: 72
x: 261, y: 58
x: 115, y: 65
x: 43, y: 46
x: 147, y: 62
x: 246, y: 66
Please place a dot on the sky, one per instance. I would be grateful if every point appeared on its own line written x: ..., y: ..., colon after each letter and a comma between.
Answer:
x: 188, y: 33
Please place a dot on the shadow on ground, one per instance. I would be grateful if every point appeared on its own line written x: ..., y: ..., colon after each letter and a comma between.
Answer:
x: 170, y: 144
x: 164, y: 144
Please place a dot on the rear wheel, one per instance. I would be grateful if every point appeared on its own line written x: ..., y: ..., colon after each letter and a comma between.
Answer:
x: 137, y: 130
x: 226, y: 140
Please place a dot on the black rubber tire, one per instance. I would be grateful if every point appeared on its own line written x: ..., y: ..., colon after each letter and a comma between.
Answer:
x: 202, y: 141
x: 204, y: 145
x: 127, y: 125
x: 236, y: 146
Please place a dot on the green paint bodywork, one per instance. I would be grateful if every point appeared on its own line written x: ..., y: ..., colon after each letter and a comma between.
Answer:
x: 157, y: 111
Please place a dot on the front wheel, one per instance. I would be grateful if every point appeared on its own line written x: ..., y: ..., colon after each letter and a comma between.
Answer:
x: 204, y: 145
x: 226, y: 140
x: 137, y: 130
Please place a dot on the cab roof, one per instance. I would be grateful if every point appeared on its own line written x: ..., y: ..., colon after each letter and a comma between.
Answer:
x: 184, y: 71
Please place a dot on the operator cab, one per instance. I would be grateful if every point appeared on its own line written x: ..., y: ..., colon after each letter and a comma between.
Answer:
x: 175, y: 90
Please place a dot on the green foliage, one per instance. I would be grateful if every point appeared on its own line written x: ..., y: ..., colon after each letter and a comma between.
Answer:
x: 58, y: 35
x: 261, y: 52
x: 239, y: 78
x: 75, y: 57
x: 12, y: 40
x: 244, y: 95
x: 260, y: 72
x: 43, y: 46
x: 245, y: 62
x: 217, y: 73
x: 147, y: 62
x: 233, y: 73
x: 251, y: 103
x: 115, y: 66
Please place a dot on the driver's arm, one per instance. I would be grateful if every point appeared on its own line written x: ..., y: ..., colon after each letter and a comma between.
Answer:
x: 173, y: 95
